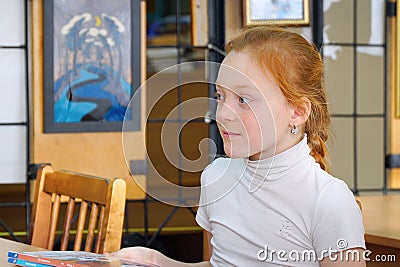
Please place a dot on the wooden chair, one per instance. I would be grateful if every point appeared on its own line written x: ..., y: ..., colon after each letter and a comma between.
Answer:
x: 105, y: 198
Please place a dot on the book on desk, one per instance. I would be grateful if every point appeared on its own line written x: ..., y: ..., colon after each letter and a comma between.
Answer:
x: 69, y: 259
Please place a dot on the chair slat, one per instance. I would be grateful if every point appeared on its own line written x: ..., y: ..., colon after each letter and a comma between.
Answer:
x: 81, y: 225
x: 55, y: 210
x: 67, y: 223
x: 100, y: 234
x: 91, y: 227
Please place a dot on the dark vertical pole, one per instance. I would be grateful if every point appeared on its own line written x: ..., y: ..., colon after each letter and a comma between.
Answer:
x: 179, y: 88
x: 317, y: 23
x: 146, y: 219
x: 216, y: 37
x: 355, y: 119
x: 389, y: 49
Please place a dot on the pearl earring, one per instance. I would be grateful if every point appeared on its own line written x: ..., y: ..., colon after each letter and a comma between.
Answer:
x: 294, y: 130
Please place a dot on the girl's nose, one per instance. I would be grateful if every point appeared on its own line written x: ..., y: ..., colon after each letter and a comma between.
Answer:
x: 225, y: 112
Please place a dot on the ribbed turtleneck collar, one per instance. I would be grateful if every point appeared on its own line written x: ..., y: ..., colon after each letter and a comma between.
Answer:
x: 276, y: 167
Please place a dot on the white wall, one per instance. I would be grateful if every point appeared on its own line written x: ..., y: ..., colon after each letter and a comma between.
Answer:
x: 12, y: 92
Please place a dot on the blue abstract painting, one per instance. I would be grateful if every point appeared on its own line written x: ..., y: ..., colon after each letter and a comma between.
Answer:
x: 92, y: 68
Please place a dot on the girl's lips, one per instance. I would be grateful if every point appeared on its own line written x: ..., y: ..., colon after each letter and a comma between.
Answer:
x: 229, y: 134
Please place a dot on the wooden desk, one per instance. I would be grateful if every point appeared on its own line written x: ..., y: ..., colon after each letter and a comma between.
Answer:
x: 7, y: 245
x: 381, y: 218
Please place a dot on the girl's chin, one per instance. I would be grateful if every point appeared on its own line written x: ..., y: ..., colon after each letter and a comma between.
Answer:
x: 233, y: 155
x: 241, y: 155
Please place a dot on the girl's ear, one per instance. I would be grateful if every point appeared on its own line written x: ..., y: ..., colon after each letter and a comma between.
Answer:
x: 301, y: 112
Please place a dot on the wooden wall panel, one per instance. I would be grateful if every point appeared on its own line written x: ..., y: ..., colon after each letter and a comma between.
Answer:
x: 93, y: 153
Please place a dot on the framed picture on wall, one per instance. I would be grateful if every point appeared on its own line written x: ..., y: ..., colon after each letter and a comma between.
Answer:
x: 280, y: 12
x: 92, y: 65
x: 199, y: 22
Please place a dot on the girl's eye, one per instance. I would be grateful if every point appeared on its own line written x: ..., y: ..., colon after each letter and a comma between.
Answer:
x: 244, y: 100
x: 219, y: 97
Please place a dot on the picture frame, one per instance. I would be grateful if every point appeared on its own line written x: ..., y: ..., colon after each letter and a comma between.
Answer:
x: 199, y: 22
x: 92, y: 58
x: 276, y: 12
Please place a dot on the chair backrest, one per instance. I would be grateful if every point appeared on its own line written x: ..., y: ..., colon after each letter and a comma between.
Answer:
x: 104, y: 198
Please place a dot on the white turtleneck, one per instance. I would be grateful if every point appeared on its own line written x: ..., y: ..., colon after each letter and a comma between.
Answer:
x: 285, y: 203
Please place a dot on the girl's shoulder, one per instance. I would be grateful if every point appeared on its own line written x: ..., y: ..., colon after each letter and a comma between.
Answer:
x: 326, y: 182
x: 335, y: 194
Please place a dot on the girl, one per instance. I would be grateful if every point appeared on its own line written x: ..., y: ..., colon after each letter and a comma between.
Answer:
x: 272, y: 203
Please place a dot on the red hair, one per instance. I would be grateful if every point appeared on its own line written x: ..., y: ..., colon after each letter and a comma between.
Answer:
x: 297, y: 68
